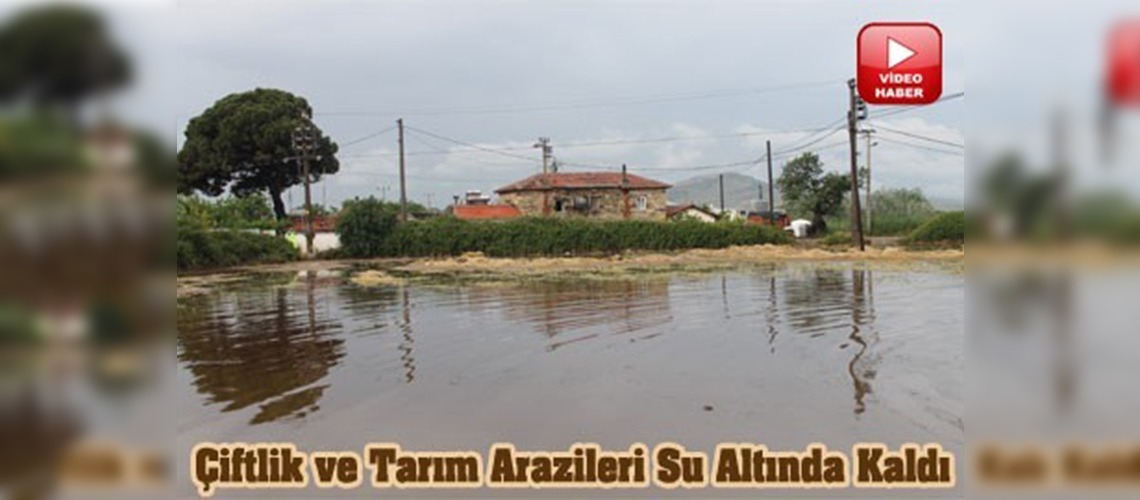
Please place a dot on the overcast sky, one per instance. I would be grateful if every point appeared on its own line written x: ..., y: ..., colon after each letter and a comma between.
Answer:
x: 499, y: 74
x: 720, y: 77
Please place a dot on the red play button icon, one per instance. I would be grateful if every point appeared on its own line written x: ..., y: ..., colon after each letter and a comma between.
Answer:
x: 1124, y: 64
x: 900, y: 63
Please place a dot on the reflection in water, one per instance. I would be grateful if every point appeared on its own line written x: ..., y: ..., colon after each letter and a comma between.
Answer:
x: 861, y: 371
x: 771, y: 312
x: 576, y: 309
x: 247, y: 349
x: 406, y: 339
x: 612, y: 348
x: 824, y: 302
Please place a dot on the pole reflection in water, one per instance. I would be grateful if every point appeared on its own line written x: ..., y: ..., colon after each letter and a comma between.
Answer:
x: 406, y: 337
x: 772, y: 312
x: 861, y: 372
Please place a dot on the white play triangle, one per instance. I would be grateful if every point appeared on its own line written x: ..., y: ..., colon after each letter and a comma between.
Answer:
x: 897, y: 53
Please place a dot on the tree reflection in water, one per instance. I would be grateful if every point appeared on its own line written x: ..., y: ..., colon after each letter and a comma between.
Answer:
x: 266, y: 348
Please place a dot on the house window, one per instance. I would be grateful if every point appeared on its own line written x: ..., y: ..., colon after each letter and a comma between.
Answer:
x: 642, y: 203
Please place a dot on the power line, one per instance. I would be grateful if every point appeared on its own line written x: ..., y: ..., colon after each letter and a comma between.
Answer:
x: 800, y: 145
x: 919, y: 136
x: 623, y: 101
x: 892, y: 112
x: 716, y: 166
x: 813, y: 141
x: 614, y: 142
x: 367, y: 137
x: 918, y: 146
x: 467, y: 144
x: 440, y: 149
x: 421, y: 177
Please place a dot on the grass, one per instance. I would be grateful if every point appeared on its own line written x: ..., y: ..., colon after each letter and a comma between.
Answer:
x: 198, y: 249
x: 882, y: 225
x: 945, y: 229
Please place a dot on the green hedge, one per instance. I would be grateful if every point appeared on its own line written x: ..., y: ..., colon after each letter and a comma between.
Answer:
x: 216, y: 249
x: 538, y: 236
x: 949, y: 227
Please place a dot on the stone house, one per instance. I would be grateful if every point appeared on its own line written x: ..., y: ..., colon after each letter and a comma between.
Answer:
x: 610, y: 195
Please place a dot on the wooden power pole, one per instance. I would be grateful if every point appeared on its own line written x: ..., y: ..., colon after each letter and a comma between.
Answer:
x: 547, y: 152
x: 771, y: 190
x: 721, y: 195
x: 403, y: 183
x: 852, y: 119
x: 867, y: 135
x: 303, y: 143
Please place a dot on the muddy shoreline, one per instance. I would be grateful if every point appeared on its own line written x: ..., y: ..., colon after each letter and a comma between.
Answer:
x: 476, y: 267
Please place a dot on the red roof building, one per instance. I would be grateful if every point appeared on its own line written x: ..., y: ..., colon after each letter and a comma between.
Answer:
x: 582, y: 180
x: 587, y: 194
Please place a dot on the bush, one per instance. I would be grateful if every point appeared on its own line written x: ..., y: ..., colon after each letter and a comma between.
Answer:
x: 363, y: 227
x: 539, y: 236
x: 945, y: 228
x: 838, y: 239
x: 246, y: 212
x: 216, y: 249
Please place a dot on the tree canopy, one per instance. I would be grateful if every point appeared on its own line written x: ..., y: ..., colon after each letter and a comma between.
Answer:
x: 244, y: 143
x: 59, y: 55
x: 809, y: 191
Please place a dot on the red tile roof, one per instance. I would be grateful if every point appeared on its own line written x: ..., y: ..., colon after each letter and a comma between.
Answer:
x: 581, y: 180
x: 486, y: 211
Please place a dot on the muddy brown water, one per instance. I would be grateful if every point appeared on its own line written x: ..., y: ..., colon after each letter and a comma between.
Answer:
x: 783, y: 355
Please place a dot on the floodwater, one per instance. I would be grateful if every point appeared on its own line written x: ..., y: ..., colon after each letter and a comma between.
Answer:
x: 784, y: 355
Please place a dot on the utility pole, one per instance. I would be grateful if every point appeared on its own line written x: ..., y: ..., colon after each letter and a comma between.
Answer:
x: 303, y: 143
x: 547, y: 152
x: 867, y: 135
x: 771, y: 190
x: 854, y: 114
x: 721, y: 195
x: 403, y: 183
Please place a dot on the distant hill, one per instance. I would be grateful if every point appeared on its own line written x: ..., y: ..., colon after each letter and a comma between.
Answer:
x: 741, y: 192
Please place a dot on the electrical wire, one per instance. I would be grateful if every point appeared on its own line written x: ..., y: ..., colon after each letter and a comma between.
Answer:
x: 367, y: 137
x: 893, y: 112
x: 802, y: 145
x: 624, y: 101
x: 440, y: 149
x: 925, y: 148
x: 919, y: 136
x: 727, y: 165
x: 467, y: 144
x: 614, y: 142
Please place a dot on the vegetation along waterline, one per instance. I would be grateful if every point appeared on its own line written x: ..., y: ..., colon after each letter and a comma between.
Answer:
x: 366, y: 230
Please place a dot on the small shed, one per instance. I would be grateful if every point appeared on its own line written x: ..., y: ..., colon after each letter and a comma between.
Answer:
x: 689, y: 211
x: 766, y: 218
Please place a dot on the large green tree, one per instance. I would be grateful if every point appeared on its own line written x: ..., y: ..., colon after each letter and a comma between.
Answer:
x: 809, y: 191
x: 245, y: 143
x: 58, y: 55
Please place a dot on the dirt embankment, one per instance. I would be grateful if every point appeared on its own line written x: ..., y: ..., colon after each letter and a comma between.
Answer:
x: 477, y: 266
x: 687, y: 260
